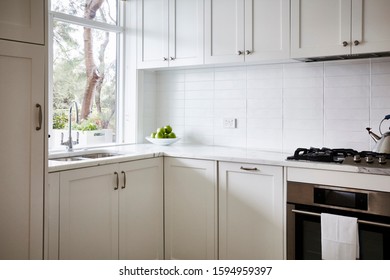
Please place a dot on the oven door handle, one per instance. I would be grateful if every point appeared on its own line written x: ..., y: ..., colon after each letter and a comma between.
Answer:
x: 359, y: 221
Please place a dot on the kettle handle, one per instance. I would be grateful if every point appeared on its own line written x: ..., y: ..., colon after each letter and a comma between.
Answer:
x: 387, y: 117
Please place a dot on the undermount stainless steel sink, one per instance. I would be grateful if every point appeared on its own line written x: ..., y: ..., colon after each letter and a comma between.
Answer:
x: 68, y: 159
x: 99, y: 155
x: 85, y: 156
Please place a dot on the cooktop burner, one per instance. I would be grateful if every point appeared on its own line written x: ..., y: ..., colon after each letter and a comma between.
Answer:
x: 342, y: 156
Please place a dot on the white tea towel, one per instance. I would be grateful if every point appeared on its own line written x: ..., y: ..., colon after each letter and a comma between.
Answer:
x: 339, y: 237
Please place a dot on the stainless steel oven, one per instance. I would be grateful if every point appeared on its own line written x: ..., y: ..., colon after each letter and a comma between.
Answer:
x: 306, y: 202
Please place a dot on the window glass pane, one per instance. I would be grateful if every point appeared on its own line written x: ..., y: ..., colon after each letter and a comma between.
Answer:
x: 85, y: 71
x: 100, y: 10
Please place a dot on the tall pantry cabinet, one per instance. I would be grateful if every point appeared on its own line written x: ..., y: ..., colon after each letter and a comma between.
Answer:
x: 22, y: 144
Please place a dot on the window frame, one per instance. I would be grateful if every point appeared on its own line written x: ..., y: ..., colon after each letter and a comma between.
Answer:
x: 126, y: 115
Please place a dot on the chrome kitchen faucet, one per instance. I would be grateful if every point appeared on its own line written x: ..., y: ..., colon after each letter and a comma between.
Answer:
x: 70, y: 142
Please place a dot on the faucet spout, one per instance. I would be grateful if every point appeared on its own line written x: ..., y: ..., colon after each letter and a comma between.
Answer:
x: 69, y: 144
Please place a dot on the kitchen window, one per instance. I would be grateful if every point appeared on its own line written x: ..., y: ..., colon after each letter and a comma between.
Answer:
x: 86, y: 65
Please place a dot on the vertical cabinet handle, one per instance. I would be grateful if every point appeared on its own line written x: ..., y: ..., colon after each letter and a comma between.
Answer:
x: 124, y: 179
x: 117, y: 181
x: 39, y: 126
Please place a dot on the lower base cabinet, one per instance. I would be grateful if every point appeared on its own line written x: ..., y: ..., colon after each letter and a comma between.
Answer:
x: 108, y: 212
x: 250, y: 211
x: 190, y: 209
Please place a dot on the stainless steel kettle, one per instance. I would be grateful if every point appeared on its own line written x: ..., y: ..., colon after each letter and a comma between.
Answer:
x: 382, y: 142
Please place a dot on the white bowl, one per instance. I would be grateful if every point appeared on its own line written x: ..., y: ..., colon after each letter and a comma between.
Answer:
x: 162, y: 141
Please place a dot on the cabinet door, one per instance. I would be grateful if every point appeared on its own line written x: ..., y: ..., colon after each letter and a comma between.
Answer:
x: 22, y: 80
x: 52, y: 212
x: 224, y: 31
x: 152, y: 34
x: 319, y: 28
x: 185, y: 32
x: 141, y: 210
x: 89, y: 213
x: 251, y: 212
x: 267, y: 30
x: 190, y: 209
x: 370, y: 21
x: 23, y: 20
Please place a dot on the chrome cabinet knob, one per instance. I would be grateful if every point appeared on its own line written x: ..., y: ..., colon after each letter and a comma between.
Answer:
x: 247, y: 52
x: 345, y: 43
x: 171, y: 58
x: 165, y: 58
x: 356, y: 42
x: 239, y: 52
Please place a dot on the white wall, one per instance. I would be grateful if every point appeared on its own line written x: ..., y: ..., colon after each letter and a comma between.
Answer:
x: 278, y: 107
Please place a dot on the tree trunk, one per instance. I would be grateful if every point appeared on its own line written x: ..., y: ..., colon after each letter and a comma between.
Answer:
x: 91, y: 7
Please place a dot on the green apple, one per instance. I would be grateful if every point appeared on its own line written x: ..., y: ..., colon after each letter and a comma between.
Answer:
x: 172, y: 135
x: 153, y: 135
x: 168, y: 129
x: 160, y: 135
x: 160, y: 130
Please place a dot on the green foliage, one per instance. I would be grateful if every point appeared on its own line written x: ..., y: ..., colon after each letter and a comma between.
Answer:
x: 59, y: 121
x: 86, y: 125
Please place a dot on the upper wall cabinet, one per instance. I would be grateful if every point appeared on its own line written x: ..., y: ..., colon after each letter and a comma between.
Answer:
x: 22, y: 20
x: 246, y: 30
x: 339, y: 27
x: 170, y: 33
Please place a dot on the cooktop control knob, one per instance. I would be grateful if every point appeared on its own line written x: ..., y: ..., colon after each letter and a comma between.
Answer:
x: 369, y: 159
x: 382, y: 160
x: 357, y: 158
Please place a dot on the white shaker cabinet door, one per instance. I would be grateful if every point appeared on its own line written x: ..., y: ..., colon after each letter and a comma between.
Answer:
x: 89, y: 213
x: 152, y: 33
x: 186, y: 21
x: 22, y: 149
x: 22, y: 20
x: 250, y: 211
x: 267, y: 30
x: 370, y: 26
x: 190, y: 209
x: 320, y: 28
x: 141, y: 210
x: 224, y: 31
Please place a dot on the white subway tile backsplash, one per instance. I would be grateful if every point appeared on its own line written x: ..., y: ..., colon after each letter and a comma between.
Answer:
x: 347, y: 81
x: 278, y: 107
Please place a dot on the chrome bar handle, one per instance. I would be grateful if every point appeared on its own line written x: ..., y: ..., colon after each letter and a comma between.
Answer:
x: 124, y: 179
x: 249, y: 169
x: 39, y: 126
x: 117, y: 181
x: 359, y: 221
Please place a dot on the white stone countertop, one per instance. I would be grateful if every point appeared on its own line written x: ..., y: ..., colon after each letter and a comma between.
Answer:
x: 245, y: 156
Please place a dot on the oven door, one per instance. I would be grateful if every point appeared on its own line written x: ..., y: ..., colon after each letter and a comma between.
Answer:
x: 304, y: 233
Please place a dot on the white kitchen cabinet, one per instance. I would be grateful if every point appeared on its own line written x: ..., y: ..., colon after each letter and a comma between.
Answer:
x: 250, y: 211
x: 246, y: 30
x: 190, y: 209
x: 170, y: 33
x: 339, y: 27
x: 22, y: 20
x: 112, y: 211
x: 52, y: 212
x: 22, y: 164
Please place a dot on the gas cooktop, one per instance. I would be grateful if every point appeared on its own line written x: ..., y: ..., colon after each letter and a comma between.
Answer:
x: 342, y: 156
